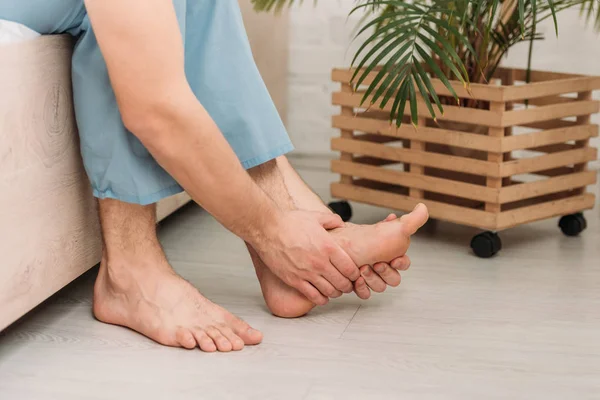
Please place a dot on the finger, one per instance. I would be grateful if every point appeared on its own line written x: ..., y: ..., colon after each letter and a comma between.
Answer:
x: 401, y: 263
x: 329, y: 220
x: 339, y: 281
x: 416, y: 219
x: 389, y: 275
x: 372, y: 279
x: 325, y: 287
x: 343, y: 263
x: 312, y: 294
x: 361, y: 289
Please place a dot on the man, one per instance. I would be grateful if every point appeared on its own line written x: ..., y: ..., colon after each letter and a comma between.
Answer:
x: 167, y: 96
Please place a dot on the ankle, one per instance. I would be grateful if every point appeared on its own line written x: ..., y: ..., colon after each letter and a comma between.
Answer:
x: 122, y: 270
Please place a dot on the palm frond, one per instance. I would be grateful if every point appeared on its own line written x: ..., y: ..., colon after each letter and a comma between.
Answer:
x: 406, y: 44
x: 414, y: 34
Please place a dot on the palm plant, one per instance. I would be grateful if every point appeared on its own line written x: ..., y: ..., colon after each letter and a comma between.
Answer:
x: 409, y: 43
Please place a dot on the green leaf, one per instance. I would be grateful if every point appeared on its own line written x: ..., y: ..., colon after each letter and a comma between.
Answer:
x: 436, y: 70
x: 521, y: 5
x: 414, y: 114
x: 428, y: 84
x: 450, y: 50
x: 390, y: 76
x: 393, y: 87
x: 424, y: 94
x: 397, y: 112
x: 444, y: 57
x: 375, y: 62
x: 553, y: 9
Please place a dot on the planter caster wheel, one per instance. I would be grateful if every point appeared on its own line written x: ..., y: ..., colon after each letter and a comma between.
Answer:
x: 341, y: 208
x: 572, y: 225
x: 486, y: 244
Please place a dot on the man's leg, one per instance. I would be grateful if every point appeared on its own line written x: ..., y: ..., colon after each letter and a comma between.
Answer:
x: 367, y: 245
x: 137, y: 288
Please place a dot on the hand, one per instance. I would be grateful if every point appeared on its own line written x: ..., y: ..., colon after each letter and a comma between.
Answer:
x: 381, y: 275
x: 300, y: 251
x: 378, y: 277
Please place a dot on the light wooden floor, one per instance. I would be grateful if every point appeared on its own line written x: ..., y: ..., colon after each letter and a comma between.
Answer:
x: 523, y: 325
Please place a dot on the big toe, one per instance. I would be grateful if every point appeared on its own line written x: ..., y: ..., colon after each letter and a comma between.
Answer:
x: 249, y: 335
x: 413, y: 221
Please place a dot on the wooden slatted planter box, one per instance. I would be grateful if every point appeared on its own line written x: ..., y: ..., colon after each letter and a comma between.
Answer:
x: 492, y: 168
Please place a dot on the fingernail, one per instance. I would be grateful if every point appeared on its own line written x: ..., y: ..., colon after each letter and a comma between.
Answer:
x: 379, y: 268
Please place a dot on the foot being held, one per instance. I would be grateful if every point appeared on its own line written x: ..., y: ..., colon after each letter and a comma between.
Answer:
x: 368, y: 245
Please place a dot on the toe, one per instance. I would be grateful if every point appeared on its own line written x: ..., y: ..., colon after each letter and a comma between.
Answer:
x: 223, y: 344
x: 372, y: 279
x: 389, y: 275
x: 415, y: 220
x: 249, y: 335
x: 401, y: 263
x: 390, y: 217
x: 185, y: 338
x: 204, y: 341
x: 237, y: 343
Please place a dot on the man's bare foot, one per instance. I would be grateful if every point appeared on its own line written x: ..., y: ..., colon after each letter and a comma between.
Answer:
x: 365, y: 244
x: 385, y: 241
x: 153, y: 300
x: 137, y: 288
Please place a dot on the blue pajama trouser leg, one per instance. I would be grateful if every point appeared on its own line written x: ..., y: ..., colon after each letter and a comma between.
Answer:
x: 219, y: 68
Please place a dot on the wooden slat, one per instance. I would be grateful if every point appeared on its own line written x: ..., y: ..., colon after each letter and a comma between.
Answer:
x: 373, y: 161
x: 546, y: 101
x: 441, y: 161
x: 451, y: 113
x: 538, y: 114
x: 455, y: 201
x: 549, y: 88
x: 509, y: 80
x: 374, y: 138
x: 419, y: 146
x: 346, y: 133
x: 508, y: 219
x: 554, y: 148
x: 548, y: 161
x: 386, y: 187
x: 550, y: 124
x: 456, y: 176
x: 424, y: 133
x: 537, y: 200
x: 476, y: 91
x: 498, y: 108
x: 555, y: 171
x: 583, y: 119
x: 548, y: 137
x: 546, y: 186
x: 438, y: 210
x: 416, y: 180
x: 538, y: 76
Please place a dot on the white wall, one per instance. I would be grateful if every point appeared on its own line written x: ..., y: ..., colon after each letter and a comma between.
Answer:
x: 320, y: 38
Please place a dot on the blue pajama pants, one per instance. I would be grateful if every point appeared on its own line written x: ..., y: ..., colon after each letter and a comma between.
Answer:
x: 219, y: 68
